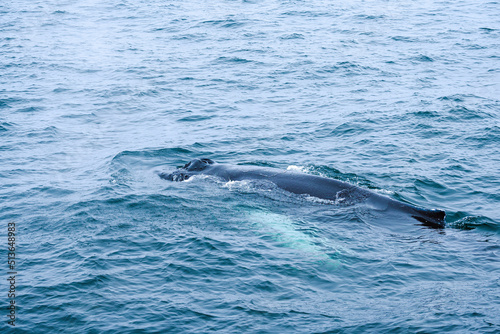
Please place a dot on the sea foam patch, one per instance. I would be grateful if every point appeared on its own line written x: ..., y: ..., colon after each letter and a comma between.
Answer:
x: 294, y: 168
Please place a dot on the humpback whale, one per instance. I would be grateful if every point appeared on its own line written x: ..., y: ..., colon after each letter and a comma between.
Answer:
x: 302, y: 183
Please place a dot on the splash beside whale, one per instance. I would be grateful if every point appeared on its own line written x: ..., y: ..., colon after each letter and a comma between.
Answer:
x: 301, y: 183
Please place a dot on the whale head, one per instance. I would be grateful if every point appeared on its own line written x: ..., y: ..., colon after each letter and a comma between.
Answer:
x: 193, y: 167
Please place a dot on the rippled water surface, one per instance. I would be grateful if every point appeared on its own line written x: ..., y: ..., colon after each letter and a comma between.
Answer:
x: 98, y: 97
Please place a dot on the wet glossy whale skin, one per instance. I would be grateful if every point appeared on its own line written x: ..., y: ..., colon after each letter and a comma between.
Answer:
x: 301, y: 183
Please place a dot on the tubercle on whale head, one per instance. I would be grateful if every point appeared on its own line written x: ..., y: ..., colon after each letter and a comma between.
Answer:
x: 175, y: 176
x: 181, y: 174
x: 197, y: 165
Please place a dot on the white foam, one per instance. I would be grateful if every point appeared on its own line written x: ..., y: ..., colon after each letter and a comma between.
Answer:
x: 321, y: 200
x: 383, y: 191
x: 237, y: 184
x: 197, y: 177
x: 296, y: 168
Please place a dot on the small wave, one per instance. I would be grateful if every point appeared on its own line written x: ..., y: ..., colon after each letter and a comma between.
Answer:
x: 462, y: 112
x: 292, y: 36
x: 4, y: 126
x: 163, y: 152
x: 30, y: 109
x: 60, y: 90
x: 6, y: 103
x: 233, y: 60
x: 487, y: 30
x: 426, y: 114
x: 404, y: 39
x: 194, y: 118
x: 475, y: 222
x: 350, y: 129
x: 224, y: 23
x: 424, y: 58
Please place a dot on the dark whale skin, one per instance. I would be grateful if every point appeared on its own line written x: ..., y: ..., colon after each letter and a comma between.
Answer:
x: 301, y: 183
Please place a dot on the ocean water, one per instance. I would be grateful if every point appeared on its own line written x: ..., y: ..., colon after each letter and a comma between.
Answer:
x: 98, y: 97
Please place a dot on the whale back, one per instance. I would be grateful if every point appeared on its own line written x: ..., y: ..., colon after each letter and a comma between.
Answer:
x: 313, y: 185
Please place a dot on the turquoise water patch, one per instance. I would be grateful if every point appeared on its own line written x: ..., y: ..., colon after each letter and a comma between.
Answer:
x: 294, y: 235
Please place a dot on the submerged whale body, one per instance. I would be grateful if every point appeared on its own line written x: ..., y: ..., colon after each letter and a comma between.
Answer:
x: 301, y: 183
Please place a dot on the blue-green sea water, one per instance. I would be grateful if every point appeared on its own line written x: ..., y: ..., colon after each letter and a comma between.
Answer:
x: 98, y: 97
